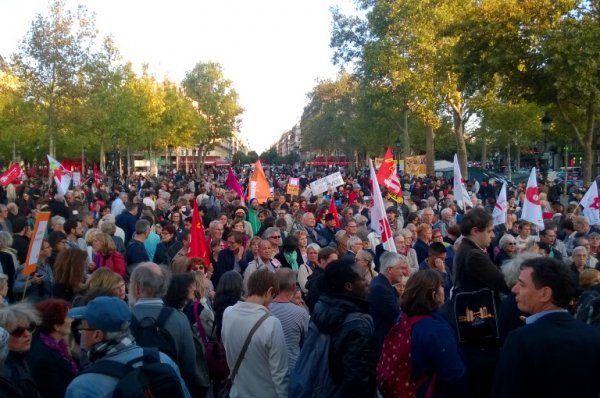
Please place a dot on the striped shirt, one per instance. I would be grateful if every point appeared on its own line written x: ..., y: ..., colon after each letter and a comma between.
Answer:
x: 294, y: 320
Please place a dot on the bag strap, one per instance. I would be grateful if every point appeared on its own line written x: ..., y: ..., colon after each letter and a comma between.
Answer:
x: 199, y: 325
x: 108, y: 367
x: 246, y: 344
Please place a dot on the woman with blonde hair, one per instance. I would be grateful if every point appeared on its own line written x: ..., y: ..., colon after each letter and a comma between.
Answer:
x: 106, y: 254
x: 302, y: 237
x: 104, y: 278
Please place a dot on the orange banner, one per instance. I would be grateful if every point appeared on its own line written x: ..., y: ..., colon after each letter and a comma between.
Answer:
x: 35, y: 245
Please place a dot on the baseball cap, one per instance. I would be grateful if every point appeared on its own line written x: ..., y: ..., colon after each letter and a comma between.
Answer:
x: 110, y: 314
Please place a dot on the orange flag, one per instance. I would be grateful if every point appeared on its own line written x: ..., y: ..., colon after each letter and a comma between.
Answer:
x: 258, y: 186
x: 198, y: 246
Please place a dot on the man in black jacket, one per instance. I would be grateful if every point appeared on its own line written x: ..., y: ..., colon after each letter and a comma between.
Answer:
x: 552, y: 348
x: 325, y: 256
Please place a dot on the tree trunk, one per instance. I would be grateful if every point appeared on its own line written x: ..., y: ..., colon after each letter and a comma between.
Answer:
x: 508, y: 160
x: 177, y: 158
x: 430, y: 150
x: 518, y: 156
x: 461, y: 146
x: 403, y: 127
x: 102, y: 157
x: 484, y: 150
x: 200, y: 166
x: 129, y: 161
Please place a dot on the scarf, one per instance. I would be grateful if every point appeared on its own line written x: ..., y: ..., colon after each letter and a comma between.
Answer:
x: 109, y: 347
x: 292, y: 259
x: 61, y: 347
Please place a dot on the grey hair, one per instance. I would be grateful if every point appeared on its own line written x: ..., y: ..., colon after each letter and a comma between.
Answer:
x: 389, y: 259
x: 506, y: 239
x: 353, y: 241
x: 360, y: 219
x: 141, y: 226
x: 314, y: 246
x: 214, y: 223
x: 20, y: 312
x: 119, y: 334
x: 406, y: 232
x: 6, y: 240
x: 364, y: 255
x: 270, y: 231
x: 579, y: 249
x: 150, y: 283
x: 287, y: 279
x: 57, y: 220
x: 446, y: 211
x: 512, y: 268
x: 108, y: 227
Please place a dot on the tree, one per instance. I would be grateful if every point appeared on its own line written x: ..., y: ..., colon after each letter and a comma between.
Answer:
x: 540, y: 52
x: 51, y: 61
x: 216, y: 103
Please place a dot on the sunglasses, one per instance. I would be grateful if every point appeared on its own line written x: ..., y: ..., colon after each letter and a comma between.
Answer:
x: 275, y: 237
x: 20, y: 331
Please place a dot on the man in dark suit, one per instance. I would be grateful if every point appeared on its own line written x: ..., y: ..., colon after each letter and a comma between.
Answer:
x: 383, y: 296
x: 553, y: 355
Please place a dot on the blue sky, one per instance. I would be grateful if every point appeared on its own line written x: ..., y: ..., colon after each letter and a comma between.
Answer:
x: 272, y: 50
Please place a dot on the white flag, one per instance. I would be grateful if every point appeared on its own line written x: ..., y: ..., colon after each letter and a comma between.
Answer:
x: 501, y: 207
x: 589, y: 202
x: 532, y: 211
x: 379, y: 221
x: 460, y: 192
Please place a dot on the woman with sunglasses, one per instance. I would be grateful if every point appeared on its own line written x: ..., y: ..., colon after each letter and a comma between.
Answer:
x: 508, y: 249
x: 49, y: 359
x: 19, y: 320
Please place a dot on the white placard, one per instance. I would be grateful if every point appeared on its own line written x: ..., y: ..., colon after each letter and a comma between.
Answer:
x: 323, y: 184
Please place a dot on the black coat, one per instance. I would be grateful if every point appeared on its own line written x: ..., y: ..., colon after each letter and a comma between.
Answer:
x: 385, y: 309
x: 51, y: 372
x: 473, y: 270
x: 18, y: 375
x: 556, y: 356
x: 353, y: 361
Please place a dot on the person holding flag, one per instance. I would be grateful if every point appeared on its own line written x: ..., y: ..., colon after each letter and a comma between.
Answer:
x: 532, y: 209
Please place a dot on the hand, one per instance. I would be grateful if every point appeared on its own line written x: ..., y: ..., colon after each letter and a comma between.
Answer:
x: 92, y: 267
x: 37, y: 279
x: 439, y: 264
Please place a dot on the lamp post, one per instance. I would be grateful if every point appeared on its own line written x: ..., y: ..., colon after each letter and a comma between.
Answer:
x: 398, y: 144
x: 546, y: 121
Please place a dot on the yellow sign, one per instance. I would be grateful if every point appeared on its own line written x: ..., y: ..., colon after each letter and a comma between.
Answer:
x: 415, y: 165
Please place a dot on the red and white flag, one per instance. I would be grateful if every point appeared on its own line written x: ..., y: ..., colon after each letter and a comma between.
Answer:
x: 11, y: 174
x: 532, y: 210
x: 388, y: 177
x: 460, y: 192
x: 96, y: 176
x: 63, y: 179
x: 501, y: 207
x: 379, y: 221
x: 590, y: 205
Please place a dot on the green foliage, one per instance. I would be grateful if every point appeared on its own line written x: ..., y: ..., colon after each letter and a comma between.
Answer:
x: 270, y: 156
x: 240, y: 158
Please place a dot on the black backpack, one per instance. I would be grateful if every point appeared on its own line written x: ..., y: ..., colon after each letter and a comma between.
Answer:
x: 151, y: 379
x: 588, y: 310
x: 149, y: 332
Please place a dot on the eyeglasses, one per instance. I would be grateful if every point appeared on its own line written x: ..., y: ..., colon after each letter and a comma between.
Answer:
x: 275, y: 237
x: 20, y: 331
x: 511, y: 243
x: 231, y: 242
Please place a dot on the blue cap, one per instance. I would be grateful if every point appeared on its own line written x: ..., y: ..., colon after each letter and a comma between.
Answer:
x: 110, y: 314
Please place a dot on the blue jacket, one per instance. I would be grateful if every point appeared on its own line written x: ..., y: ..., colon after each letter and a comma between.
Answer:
x: 34, y: 293
x: 95, y: 385
x: 126, y: 221
x: 434, y: 350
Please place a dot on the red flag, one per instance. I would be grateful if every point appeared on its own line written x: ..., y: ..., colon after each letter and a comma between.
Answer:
x: 10, y: 175
x: 96, y: 178
x: 234, y: 184
x: 388, y: 177
x: 198, y: 246
x: 333, y: 210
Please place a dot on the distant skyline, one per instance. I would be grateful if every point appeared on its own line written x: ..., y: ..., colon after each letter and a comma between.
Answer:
x: 273, y: 51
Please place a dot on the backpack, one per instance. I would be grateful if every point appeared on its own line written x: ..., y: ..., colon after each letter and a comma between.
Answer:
x: 312, y: 378
x: 152, y: 379
x: 149, y: 332
x: 394, y: 370
x: 476, y: 317
x: 214, y: 351
x: 588, y: 310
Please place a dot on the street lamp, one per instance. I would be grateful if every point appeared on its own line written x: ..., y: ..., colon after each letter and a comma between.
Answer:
x: 398, y: 144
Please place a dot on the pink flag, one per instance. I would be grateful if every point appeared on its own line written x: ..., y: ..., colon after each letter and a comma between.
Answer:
x: 532, y: 210
x: 379, y: 221
x: 234, y: 184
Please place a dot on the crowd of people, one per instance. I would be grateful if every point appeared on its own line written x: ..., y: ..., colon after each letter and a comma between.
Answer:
x: 461, y: 308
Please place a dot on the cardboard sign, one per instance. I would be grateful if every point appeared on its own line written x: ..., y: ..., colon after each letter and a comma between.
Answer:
x: 293, y: 186
x: 76, y: 178
x: 323, y: 184
x: 35, y: 245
